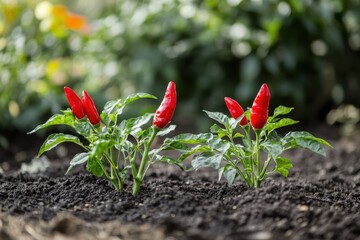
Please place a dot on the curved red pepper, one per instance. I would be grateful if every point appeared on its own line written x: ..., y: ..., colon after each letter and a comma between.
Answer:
x: 75, y: 103
x: 167, y: 107
x: 90, y: 108
x: 235, y: 110
x: 260, y: 108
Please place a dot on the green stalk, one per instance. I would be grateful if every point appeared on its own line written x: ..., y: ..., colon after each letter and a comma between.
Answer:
x: 258, y: 162
x: 140, y: 175
x: 114, y: 172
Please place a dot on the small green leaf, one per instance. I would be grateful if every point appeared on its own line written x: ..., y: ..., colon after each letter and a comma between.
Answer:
x: 196, y: 149
x: 188, y: 138
x: 219, y: 145
x: 174, y: 145
x: 166, y: 130
x: 206, y: 159
x: 279, y: 124
x: 167, y: 159
x: 57, y: 119
x: 283, y: 165
x: 219, y: 117
x: 230, y: 175
x: 111, y: 110
x: 93, y: 166
x: 273, y: 148
x: 137, y: 96
x: 282, y: 110
x: 78, y: 159
x: 133, y: 124
x: 83, y: 128
x: 216, y: 129
x: 100, y: 148
x: 238, y: 135
x: 55, y: 139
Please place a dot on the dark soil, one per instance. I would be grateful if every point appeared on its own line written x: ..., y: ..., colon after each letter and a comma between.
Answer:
x: 319, y: 200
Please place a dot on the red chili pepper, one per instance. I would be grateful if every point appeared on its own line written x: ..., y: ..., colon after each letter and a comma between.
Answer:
x: 167, y: 107
x: 75, y: 103
x: 235, y: 110
x: 260, y: 108
x: 90, y: 108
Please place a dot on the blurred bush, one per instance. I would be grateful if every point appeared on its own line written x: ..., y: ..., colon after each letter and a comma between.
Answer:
x: 307, y: 51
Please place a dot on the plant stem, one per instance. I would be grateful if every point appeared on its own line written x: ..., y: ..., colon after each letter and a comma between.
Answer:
x: 258, y: 162
x: 140, y: 175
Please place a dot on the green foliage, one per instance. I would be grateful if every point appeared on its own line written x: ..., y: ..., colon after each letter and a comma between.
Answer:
x: 242, y: 158
x: 113, y: 146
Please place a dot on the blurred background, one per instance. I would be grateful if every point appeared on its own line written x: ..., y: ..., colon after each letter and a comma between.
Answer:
x: 307, y: 51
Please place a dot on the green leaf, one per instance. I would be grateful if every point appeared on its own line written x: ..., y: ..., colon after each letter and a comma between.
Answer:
x: 216, y: 129
x: 169, y: 160
x: 57, y: 119
x: 135, y: 124
x: 196, y: 149
x: 189, y: 138
x: 230, y: 175
x: 282, y: 110
x: 282, y: 123
x: 93, y: 166
x: 283, y: 165
x: 219, y: 145
x: 174, y: 145
x: 219, y: 117
x: 238, y: 135
x: 206, y: 159
x: 307, y: 141
x: 137, y: 96
x: 55, y: 139
x: 166, y: 130
x: 78, y: 159
x: 83, y: 128
x: 100, y: 147
x: 111, y: 110
x: 273, y: 148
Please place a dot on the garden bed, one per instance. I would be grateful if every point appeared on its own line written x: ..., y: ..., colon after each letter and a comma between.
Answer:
x: 319, y: 200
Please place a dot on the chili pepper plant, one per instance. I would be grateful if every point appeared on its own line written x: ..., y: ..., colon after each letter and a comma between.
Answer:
x: 247, y: 145
x: 113, y: 144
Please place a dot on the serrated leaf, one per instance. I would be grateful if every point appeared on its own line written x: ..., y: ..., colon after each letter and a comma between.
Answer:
x: 93, y: 166
x: 219, y: 117
x: 55, y: 139
x: 57, y: 119
x: 283, y: 165
x: 166, y: 130
x: 78, y: 159
x: 206, y: 159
